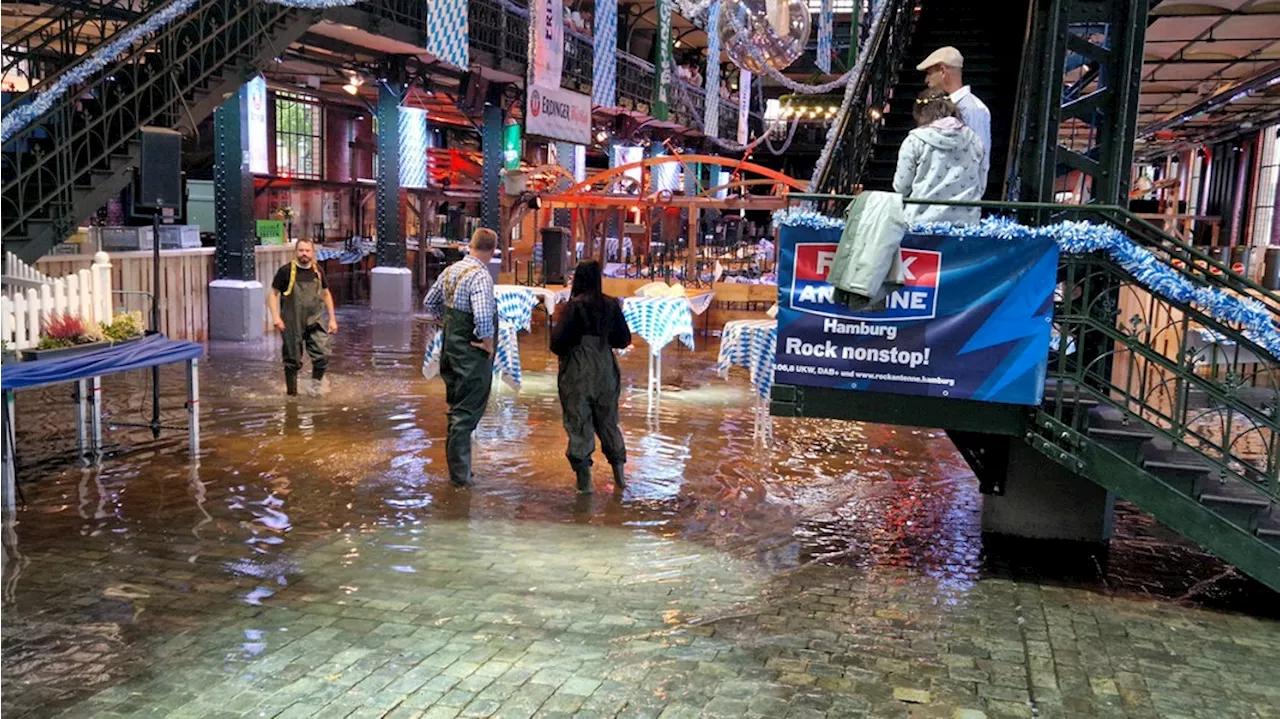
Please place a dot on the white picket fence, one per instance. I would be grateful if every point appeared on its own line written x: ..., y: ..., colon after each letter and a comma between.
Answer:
x: 85, y: 294
x: 18, y: 274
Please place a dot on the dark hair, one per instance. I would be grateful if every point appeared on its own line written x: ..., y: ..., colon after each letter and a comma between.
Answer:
x: 933, y: 105
x: 588, y: 280
x: 484, y: 240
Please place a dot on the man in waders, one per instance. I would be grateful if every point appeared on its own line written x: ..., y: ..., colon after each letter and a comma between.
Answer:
x: 463, y: 298
x: 299, y: 301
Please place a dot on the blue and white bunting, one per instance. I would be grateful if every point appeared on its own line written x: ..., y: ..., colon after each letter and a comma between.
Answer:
x: 711, y: 117
x: 604, y: 67
x: 826, y: 26
x: 447, y: 32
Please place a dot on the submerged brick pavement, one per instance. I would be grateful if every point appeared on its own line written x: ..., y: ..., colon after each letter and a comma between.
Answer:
x: 523, y: 619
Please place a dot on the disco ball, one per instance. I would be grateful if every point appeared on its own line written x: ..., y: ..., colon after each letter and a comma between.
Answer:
x: 778, y: 29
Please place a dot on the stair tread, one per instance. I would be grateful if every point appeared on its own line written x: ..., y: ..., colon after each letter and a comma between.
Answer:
x: 1178, y: 466
x: 1126, y: 433
x: 1228, y: 499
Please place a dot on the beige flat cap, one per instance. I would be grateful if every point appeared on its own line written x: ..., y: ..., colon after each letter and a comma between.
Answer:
x: 942, y: 56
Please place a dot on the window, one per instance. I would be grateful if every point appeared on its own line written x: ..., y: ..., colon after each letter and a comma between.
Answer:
x: 1265, y: 194
x: 299, y: 137
x: 839, y: 7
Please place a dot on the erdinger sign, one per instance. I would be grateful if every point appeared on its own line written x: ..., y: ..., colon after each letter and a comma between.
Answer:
x: 558, y: 114
x: 917, y: 299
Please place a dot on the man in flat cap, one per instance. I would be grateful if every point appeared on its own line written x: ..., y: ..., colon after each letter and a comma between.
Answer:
x: 943, y: 71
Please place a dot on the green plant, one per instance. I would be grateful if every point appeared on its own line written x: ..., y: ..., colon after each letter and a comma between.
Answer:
x: 124, y: 326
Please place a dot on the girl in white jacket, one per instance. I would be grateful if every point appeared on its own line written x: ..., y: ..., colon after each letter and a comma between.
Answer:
x: 940, y: 160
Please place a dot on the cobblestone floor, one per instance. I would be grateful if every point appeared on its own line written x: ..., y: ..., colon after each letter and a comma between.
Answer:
x: 316, y: 565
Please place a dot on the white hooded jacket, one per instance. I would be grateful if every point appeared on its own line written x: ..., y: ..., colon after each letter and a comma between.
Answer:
x: 941, y: 161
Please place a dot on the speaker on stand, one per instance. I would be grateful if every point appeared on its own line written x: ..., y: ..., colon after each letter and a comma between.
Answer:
x: 159, y: 184
x: 555, y: 255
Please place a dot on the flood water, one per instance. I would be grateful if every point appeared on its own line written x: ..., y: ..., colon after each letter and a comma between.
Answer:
x: 314, y: 535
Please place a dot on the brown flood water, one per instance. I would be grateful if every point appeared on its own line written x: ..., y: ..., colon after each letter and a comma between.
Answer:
x: 105, y: 562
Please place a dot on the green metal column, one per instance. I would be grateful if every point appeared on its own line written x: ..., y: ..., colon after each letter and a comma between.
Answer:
x: 491, y: 177
x: 391, y: 244
x: 233, y: 190
x: 1090, y: 124
x: 663, y: 63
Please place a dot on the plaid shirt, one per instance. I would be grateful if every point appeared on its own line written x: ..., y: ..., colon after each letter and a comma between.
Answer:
x: 466, y: 287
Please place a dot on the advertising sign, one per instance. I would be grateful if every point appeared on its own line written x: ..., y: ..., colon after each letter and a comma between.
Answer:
x: 558, y: 114
x: 257, y: 96
x: 548, y: 42
x: 971, y: 321
x: 271, y: 232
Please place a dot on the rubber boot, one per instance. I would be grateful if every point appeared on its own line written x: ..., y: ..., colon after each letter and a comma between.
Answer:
x: 584, y: 478
x: 291, y: 382
x: 619, y: 480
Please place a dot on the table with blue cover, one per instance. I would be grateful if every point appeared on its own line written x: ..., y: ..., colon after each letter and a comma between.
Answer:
x: 658, y: 321
x: 515, y: 313
x: 87, y: 370
x: 750, y: 344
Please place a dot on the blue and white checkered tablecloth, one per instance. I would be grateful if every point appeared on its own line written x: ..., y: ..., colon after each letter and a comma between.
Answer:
x: 658, y: 320
x: 751, y: 344
x: 515, y: 305
x: 506, y: 358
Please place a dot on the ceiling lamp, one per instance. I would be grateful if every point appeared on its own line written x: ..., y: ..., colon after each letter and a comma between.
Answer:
x: 353, y: 85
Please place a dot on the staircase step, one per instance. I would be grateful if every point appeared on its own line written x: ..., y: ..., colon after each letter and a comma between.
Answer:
x: 1126, y: 443
x: 1190, y: 479
x: 1269, y: 535
x: 1241, y: 511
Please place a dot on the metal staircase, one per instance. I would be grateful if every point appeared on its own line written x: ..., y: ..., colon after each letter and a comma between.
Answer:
x: 1151, y: 398
x: 62, y: 167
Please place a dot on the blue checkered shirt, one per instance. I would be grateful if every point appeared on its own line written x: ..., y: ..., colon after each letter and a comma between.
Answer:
x: 466, y: 287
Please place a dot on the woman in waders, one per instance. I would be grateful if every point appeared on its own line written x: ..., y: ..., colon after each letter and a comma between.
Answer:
x: 590, y: 328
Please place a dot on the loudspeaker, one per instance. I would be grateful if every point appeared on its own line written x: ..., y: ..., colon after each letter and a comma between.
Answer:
x: 160, y: 171
x: 555, y: 254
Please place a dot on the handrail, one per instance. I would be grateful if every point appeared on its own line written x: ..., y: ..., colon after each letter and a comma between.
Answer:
x: 21, y: 98
x: 879, y: 58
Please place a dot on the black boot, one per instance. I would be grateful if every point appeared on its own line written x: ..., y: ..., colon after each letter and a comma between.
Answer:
x: 291, y: 382
x: 584, y: 478
x: 619, y: 480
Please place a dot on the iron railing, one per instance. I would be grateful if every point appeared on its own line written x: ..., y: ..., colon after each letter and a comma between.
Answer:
x: 409, y: 13
x: 1166, y: 367
x: 852, y: 136
x: 50, y: 163
x: 46, y: 44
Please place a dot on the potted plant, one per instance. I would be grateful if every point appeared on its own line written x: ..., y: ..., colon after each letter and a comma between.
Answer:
x: 10, y: 355
x: 66, y: 334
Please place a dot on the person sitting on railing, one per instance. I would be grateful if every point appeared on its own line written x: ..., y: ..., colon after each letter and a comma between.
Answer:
x: 940, y: 160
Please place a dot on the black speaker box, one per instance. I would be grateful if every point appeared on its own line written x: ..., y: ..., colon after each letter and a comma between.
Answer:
x: 555, y: 255
x: 160, y: 171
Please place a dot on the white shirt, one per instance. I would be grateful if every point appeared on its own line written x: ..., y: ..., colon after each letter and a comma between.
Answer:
x: 975, y: 114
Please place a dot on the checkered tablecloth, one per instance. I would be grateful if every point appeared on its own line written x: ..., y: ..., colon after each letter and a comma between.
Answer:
x: 751, y: 344
x: 506, y: 358
x: 515, y: 305
x: 658, y: 320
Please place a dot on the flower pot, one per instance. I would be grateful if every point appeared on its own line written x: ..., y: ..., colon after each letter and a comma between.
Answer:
x: 9, y: 357
x: 64, y: 352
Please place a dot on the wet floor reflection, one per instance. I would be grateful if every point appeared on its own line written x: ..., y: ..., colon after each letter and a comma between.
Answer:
x: 314, y: 499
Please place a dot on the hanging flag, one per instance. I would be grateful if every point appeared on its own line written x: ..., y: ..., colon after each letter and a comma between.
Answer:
x: 826, y: 26
x: 413, y: 147
x: 547, y: 23
x: 447, y: 37
x: 663, y: 72
x: 604, y: 69
x: 744, y: 104
x: 711, y: 120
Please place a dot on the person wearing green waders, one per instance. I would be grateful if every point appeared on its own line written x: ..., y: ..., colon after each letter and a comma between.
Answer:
x: 589, y: 328
x: 299, y: 302
x: 462, y: 298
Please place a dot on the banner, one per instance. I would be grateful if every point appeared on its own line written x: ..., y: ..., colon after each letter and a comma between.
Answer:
x: 547, y: 28
x: 447, y: 32
x: 604, y: 61
x: 663, y: 66
x: 558, y: 114
x: 972, y: 320
x: 826, y: 26
x: 413, y: 147
x: 257, y: 98
x: 744, y: 104
x: 711, y: 118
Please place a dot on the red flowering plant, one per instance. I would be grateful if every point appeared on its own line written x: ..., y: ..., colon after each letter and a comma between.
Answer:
x: 65, y: 330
